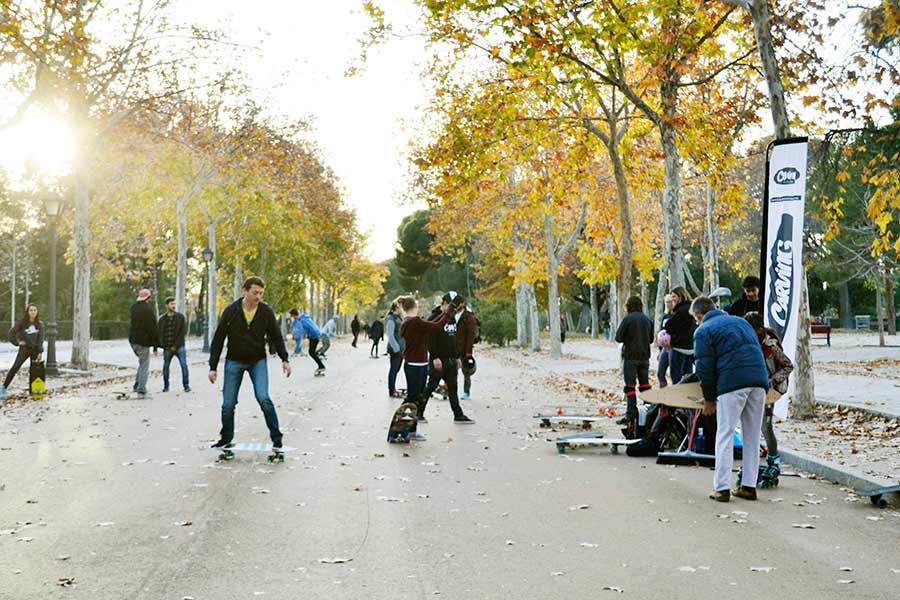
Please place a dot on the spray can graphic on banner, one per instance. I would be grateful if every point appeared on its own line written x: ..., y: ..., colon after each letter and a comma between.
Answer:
x: 780, y: 296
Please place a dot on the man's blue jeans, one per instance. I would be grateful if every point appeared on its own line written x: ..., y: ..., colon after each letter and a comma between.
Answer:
x: 259, y: 376
x: 182, y: 360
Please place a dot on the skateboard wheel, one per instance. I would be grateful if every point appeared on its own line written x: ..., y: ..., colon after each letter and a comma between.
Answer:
x: 878, y: 501
x: 561, y: 449
x: 559, y: 412
x: 615, y: 449
x: 611, y: 412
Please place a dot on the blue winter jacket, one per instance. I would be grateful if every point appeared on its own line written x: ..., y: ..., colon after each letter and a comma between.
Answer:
x: 307, y: 327
x: 727, y: 355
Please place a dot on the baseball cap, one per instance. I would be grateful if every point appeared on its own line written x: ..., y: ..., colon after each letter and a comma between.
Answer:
x: 143, y: 295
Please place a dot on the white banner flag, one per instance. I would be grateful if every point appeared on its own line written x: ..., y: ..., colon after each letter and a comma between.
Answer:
x: 782, y: 251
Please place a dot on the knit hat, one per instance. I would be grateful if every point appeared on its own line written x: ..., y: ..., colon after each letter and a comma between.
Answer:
x: 143, y: 295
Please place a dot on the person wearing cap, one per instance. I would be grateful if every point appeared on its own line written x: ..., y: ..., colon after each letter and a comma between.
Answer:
x: 142, y: 335
x: 717, y: 294
x: 749, y: 300
x: 443, y: 347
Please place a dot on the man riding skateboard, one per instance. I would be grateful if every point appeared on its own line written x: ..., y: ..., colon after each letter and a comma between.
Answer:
x: 248, y: 323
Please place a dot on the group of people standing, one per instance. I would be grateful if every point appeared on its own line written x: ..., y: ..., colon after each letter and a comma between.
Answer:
x: 374, y: 332
x: 432, y: 351
x: 737, y: 361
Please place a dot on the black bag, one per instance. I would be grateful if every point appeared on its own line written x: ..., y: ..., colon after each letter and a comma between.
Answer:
x: 12, y: 336
x: 643, y: 447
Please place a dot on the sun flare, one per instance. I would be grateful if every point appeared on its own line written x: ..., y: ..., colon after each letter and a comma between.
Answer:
x: 40, y: 146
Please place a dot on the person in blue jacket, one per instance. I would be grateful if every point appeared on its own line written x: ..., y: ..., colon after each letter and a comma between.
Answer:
x: 729, y: 362
x: 312, y: 333
x: 297, y: 332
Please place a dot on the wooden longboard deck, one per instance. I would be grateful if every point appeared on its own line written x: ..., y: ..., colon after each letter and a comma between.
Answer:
x: 686, y: 395
x: 252, y: 447
x: 587, y: 441
x: 577, y: 436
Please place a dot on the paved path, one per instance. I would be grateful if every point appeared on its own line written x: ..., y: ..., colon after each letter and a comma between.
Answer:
x: 123, y: 499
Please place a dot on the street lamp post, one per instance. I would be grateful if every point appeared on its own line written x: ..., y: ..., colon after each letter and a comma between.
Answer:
x: 52, y: 204
x: 207, y: 258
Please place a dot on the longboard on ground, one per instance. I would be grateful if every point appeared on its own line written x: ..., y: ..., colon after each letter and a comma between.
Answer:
x: 403, y: 423
x: 686, y: 395
x: 37, y: 376
x: 586, y: 420
x: 586, y: 440
x: 877, y: 495
x: 275, y: 455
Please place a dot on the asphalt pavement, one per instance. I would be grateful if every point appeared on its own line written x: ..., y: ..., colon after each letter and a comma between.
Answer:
x: 122, y: 499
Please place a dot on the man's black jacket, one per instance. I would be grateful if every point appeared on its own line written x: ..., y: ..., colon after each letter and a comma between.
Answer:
x: 635, y: 333
x: 246, y: 344
x: 143, y: 330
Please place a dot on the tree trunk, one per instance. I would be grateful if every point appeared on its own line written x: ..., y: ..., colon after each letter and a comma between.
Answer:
x: 671, y: 194
x: 879, y: 307
x: 844, y: 308
x: 534, y: 318
x: 804, y: 400
x: 626, y: 244
x: 645, y: 295
x: 521, y: 317
x: 213, y: 303
x: 238, y: 278
x: 553, y: 288
x: 712, y: 238
x: 181, y: 262
x: 595, y: 313
x: 692, y: 285
x: 12, y: 283
x: 81, y: 315
x: 613, y: 301
x: 660, y: 305
x: 891, y: 309
x: 263, y: 259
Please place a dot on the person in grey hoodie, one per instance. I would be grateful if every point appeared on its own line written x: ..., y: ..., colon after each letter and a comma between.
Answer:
x: 395, y: 348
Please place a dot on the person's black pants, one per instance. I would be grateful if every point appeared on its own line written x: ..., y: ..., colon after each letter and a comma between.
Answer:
x: 313, y: 345
x: 374, y: 350
x: 25, y: 353
x: 416, y: 375
x: 448, y: 373
x: 396, y: 361
x: 355, y: 337
x: 637, y: 376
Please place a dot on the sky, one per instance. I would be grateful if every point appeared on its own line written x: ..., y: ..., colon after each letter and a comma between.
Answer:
x: 363, y: 124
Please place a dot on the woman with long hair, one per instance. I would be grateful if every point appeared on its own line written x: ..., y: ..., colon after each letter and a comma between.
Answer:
x: 28, y: 335
x: 395, y: 348
x: 681, y: 328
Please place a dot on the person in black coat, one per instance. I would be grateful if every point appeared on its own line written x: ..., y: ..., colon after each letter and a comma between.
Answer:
x: 749, y: 301
x: 28, y: 336
x: 172, y: 329
x: 681, y: 329
x: 354, y: 329
x: 142, y: 335
x: 376, y: 332
x: 635, y: 333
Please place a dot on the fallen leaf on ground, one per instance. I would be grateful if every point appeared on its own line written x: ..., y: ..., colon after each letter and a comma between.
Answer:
x: 612, y: 588
x: 803, y: 526
x: 762, y: 569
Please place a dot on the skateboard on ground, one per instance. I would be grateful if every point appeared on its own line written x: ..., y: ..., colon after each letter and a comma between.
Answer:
x: 275, y: 455
x: 130, y: 395
x: 37, y: 376
x: 399, y: 393
x: 586, y: 420
x: 574, y: 441
x: 403, y: 423
x: 877, y: 495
